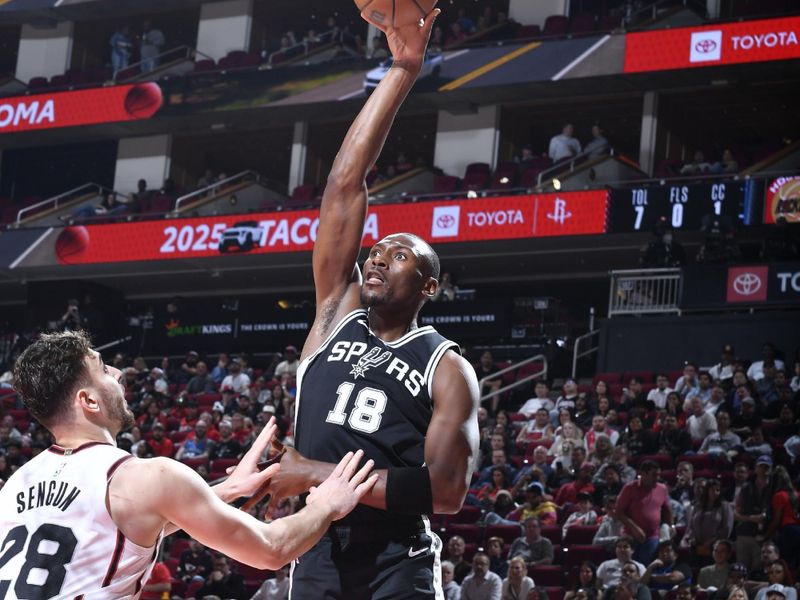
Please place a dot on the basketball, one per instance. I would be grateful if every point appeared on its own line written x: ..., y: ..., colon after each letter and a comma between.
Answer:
x: 394, y: 13
x: 71, y: 243
x: 143, y: 100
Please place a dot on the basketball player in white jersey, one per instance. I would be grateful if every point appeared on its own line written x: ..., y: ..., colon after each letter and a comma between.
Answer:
x: 84, y: 519
x: 369, y: 375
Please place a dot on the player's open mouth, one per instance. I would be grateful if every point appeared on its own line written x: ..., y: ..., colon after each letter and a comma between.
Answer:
x: 374, y: 278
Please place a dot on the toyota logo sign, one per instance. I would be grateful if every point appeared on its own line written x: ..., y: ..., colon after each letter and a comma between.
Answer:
x: 445, y: 221
x: 705, y: 46
x: 747, y: 284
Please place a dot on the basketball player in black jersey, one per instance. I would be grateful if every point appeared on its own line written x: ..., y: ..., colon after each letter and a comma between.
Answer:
x: 370, y: 378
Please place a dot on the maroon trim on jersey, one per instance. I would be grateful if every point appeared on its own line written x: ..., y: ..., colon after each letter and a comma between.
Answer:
x: 79, y: 597
x: 112, y: 469
x: 55, y: 449
x: 112, y: 568
x: 152, y: 560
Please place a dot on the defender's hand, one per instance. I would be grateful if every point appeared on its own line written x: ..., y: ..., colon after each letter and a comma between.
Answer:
x: 345, y: 487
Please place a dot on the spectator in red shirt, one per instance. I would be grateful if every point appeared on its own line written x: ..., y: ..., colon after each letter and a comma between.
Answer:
x: 785, y: 514
x: 568, y: 493
x: 160, y: 581
x: 160, y: 443
x: 642, y: 506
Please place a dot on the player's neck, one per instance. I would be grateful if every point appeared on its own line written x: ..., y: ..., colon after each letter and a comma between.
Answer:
x: 73, y: 436
x: 392, y: 326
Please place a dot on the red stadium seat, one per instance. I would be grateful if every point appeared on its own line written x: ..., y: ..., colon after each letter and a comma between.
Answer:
x: 469, y: 531
x: 528, y: 31
x: 445, y: 184
x: 644, y: 376
x: 580, y: 534
x: 552, y: 532
x: 546, y: 575
x: 555, y: 25
x: 582, y: 23
x: 576, y: 554
x: 507, y: 532
x: 610, y: 377
x: 467, y: 514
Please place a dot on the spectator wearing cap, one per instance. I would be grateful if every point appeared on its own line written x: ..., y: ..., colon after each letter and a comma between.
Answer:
x: 160, y: 443
x: 236, y: 380
x: 584, y: 515
x: 748, y: 417
x: 737, y: 576
x: 188, y: 367
x: 289, y: 363
x: 159, y: 380
x: 190, y: 416
x: 781, y: 582
x: 532, y: 547
x: 716, y: 575
x: 642, y: 506
x: 535, y: 505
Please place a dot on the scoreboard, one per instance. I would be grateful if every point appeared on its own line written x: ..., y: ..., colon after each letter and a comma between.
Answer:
x: 683, y: 206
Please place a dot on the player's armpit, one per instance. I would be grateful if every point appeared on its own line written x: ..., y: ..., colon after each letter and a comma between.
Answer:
x: 451, y: 443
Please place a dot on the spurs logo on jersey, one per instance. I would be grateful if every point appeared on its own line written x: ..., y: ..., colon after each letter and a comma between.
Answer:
x: 369, y: 360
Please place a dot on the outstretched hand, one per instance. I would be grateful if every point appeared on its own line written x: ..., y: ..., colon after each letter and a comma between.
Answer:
x: 345, y: 487
x: 247, y: 478
x: 407, y: 43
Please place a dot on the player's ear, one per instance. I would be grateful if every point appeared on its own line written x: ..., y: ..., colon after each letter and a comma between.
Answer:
x: 430, y: 287
x: 87, y: 400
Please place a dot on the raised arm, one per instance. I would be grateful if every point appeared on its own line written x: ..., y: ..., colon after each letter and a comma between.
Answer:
x: 344, y: 202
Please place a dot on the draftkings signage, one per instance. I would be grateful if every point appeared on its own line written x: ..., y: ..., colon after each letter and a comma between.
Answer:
x: 710, y: 45
x: 741, y: 285
x: 495, y: 218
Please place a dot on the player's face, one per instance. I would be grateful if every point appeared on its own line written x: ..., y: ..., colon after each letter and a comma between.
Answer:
x: 109, y: 383
x: 393, y: 273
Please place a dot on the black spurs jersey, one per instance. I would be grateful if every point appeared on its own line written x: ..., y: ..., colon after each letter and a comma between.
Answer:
x: 357, y: 391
